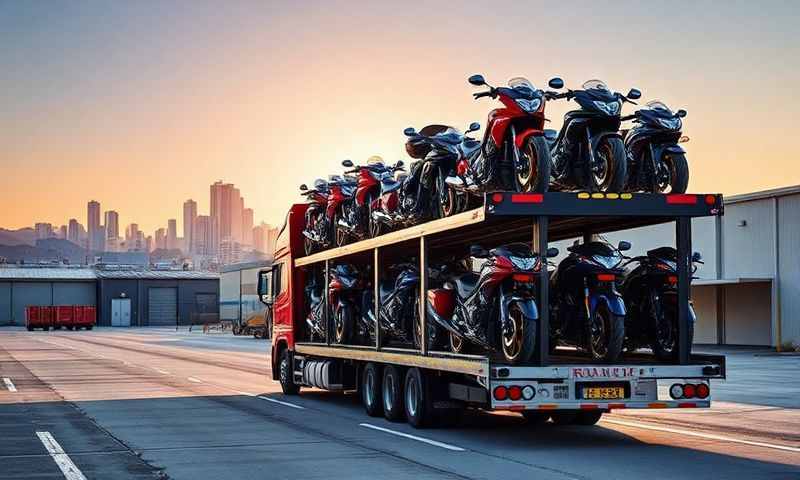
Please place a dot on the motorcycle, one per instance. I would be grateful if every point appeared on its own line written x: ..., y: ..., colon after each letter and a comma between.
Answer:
x: 344, y: 288
x: 315, y: 230
x: 588, y: 153
x: 586, y: 309
x: 504, y: 289
x: 514, y: 154
x: 650, y: 290
x: 656, y: 163
x: 385, y: 211
x: 357, y: 211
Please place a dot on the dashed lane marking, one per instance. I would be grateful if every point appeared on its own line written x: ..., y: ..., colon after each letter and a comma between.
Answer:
x: 286, y: 404
x: 70, y: 471
x: 708, y: 436
x: 446, y: 446
x: 195, y: 380
x: 9, y: 385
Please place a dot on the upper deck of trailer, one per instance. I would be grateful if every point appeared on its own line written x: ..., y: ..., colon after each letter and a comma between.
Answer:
x: 509, y: 217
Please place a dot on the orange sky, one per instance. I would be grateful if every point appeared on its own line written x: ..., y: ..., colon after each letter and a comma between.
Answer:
x: 142, y: 105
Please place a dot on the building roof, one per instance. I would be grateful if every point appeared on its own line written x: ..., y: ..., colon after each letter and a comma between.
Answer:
x: 47, y: 273
x: 246, y: 266
x: 156, y: 275
x: 760, y: 195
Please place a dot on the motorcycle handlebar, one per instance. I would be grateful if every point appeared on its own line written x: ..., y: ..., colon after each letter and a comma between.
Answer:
x: 478, y: 95
x: 628, y: 117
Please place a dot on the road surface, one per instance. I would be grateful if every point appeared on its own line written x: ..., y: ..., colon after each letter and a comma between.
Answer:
x: 152, y: 403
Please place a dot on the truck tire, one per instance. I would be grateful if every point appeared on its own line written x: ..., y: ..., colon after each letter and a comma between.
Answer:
x: 371, y: 389
x: 418, y: 399
x: 286, y: 374
x: 588, y: 417
x: 90, y: 327
x: 392, y: 393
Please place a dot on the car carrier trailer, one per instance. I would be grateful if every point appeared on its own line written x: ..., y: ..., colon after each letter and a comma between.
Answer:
x: 423, y: 384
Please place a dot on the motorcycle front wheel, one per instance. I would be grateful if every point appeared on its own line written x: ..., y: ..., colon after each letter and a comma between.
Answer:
x: 665, y: 332
x: 533, y: 175
x: 343, y: 320
x: 518, y: 338
x: 448, y: 201
x: 609, y: 171
x: 606, y: 335
x: 674, y: 174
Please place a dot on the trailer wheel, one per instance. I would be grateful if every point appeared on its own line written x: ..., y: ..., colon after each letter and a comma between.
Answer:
x: 589, y: 417
x: 392, y: 393
x: 418, y: 398
x: 371, y: 389
x: 287, y: 374
x: 90, y: 327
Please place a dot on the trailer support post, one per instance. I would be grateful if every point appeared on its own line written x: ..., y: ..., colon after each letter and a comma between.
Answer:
x: 376, y: 295
x: 683, y: 240
x: 423, y: 287
x: 326, y: 310
x: 543, y: 325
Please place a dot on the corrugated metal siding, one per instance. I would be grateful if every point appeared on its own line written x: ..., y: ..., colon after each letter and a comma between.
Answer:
x: 74, y: 293
x: 748, y: 251
x: 29, y: 293
x: 5, y: 303
x: 789, y: 267
x: 162, y: 306
x: 748, y: 318
x: 705, y: 307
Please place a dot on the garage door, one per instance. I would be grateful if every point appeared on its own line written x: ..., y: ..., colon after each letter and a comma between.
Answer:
x: 162, y: 306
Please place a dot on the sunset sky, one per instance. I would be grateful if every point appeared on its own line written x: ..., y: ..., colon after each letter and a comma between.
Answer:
x: 143, y: 104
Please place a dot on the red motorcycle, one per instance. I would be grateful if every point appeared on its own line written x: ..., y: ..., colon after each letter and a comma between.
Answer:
x: 357, y: 220
x: 514, y: 154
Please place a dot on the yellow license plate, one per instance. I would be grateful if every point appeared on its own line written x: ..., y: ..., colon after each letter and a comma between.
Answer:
x: 603, y: 393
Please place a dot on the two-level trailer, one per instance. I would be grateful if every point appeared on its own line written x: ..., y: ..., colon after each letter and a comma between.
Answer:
x: 425, y: 384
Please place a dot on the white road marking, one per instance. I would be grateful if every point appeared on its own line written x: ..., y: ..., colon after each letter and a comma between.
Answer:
x: 708, y: 436
x: 286, y: 404
x: 9, y: 385
x: 70, y: 471
x: 245, y: 393
x: 414, y: 437
x: 195, y: 380
x: 163, y: 372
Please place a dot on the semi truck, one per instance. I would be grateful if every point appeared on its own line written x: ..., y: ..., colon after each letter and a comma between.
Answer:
x: 429, y: 384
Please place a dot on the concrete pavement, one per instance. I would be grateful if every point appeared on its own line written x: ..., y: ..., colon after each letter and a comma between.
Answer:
x: 150, y: 403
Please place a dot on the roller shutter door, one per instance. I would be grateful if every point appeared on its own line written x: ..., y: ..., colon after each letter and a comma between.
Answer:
x: 162, y: 309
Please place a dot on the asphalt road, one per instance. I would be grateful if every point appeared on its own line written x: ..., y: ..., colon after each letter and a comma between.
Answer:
x: 118, y: 404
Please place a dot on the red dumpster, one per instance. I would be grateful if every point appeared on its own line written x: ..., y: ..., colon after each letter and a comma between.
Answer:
x: 64, y: 314
x: 83, y: 316
x: 35, y: 318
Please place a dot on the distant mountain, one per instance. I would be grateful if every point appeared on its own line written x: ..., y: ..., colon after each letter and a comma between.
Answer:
x: 46, y: 250
x: 23, y: 236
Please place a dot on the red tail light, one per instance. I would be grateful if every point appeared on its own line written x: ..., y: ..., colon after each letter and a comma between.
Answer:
x: 672, y: 279
x: 689, y: 391
x: 702, y: 390
x: 681, y: 199
x: 515, y: 392
x: 711, y: 199
x: 497, y: 197
x: 527, y: 198
x: 523, y: 277
x: 606, y: 277
x: 500, y: 393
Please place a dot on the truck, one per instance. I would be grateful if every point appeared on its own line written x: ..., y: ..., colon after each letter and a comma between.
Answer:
x: 425, y: 386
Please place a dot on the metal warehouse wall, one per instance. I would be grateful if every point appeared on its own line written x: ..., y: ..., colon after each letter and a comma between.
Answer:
x: 5, y: 303
x: 789, y: 266
x: 16, y: 295
x: 115, y: 288
x: 229, y: 295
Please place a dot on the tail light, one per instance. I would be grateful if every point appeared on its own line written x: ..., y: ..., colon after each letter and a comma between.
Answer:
x: 689, y: 390
x: 527, y: 198
x: 514, y: 392
x: 702, y: 390
x: 523, y: 277
x: 606, y: 277
x: 672, y: 279
x: 497, y: 197
x: 681, y: 199
x: 500, y: 393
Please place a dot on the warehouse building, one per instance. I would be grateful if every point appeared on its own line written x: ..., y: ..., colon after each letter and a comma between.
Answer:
x: 123, y: 297
x: 239, y: 291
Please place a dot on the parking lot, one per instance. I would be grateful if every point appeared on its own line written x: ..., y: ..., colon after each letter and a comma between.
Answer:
x: 155, y: 403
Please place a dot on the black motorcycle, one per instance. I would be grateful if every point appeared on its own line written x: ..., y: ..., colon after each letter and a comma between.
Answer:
x: 315, y: 231
x: 344, y: 290
x: 587, y: 311
x: 656, y: 163
x: 650, y: 290
x: 588, y: 153
x: 504, y: 289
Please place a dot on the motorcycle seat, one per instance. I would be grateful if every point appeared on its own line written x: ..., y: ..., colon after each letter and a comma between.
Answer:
x: 465, y: 284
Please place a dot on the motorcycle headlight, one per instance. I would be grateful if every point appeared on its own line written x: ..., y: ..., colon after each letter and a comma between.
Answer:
x: 525, y: 264
x: 529, y: 106
x: 670, y: 123
x: 608, y: 262
x: 609, y: 108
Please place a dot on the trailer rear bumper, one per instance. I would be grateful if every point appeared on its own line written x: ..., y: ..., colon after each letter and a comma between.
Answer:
x: 606, y: 406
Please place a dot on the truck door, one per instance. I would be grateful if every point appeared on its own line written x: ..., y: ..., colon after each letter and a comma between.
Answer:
x: 273, y: 286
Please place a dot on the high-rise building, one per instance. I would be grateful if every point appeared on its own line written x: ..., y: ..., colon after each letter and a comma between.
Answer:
x: 172, y: 234
x: 227, y: 206
x: 148, y: 244
x: 237, y: 215
x: 161, y: 238
x: 204, y: 235
x: 43, y: 230
x: 264, y: 237
x: 131, y: 231
x: 247, y: 227
x: 74, y: 231
x: 112, y: 224
x: 189, y: 218
x: 230, y: 251
x: 62, y: 232
x: 95, y: 239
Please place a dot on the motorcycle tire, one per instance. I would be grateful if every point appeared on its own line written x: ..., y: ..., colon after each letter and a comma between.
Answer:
x: 679, y: 172
x: 614, y: 325
x: 537, y: 175
x: 446, y: 199
x: 520, y: 346
x: 339, y: 234
x: 343, y: 325
x: 660, y: 350
x: 616, y: 168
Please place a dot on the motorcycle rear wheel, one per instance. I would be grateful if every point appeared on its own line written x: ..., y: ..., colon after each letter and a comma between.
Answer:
x: 343, y: 323
x: 606, y: 335
x: 536, y: 177
x: 448, y: 203
x: 518, y: 344
x: 665, y: 334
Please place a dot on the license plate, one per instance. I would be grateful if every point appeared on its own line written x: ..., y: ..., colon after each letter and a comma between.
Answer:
x: 603, y: 393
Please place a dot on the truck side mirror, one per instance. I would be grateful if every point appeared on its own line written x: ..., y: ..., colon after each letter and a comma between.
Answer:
x: 265, y: 286
x: 552, y: 252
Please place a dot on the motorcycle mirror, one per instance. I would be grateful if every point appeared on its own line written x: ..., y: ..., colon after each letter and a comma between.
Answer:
x: 623, y: 246
x: 477, y: 80
x: 696, y: 257
x: 409, y: 132
x: 474, y: 126
x: 634, y: 94
x: 477, y: 251
x: 399, y: 164
x: 556, y: 83
x: 681, y: 113
x: 347, y: 163
x: 552, y: 252
x: 303, y: 187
